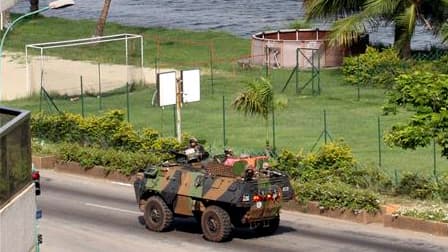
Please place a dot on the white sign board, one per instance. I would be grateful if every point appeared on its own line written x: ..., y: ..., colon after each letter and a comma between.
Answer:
x: 191, y: 85
x: 166, y: 88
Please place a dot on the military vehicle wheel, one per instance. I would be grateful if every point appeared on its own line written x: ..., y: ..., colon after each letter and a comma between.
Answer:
x: 269, y: 230
x: 158, y: 217
x: 216, y: 224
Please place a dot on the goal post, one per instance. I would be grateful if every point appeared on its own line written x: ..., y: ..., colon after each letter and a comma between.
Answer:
x: 64, y: 79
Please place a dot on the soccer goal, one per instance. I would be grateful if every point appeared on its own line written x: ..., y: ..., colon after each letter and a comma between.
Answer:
x: 73, y: 68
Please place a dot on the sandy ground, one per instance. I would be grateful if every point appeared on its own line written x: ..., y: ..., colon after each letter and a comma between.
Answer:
x: 63, y: 76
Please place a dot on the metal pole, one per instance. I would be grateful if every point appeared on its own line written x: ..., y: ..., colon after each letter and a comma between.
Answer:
x: 358, y: 84
x: 224, y: 121
x: 41, y: 90
x: 127, y: 60
x: 434, y: 158
x: 211, y: 67
x: 161, y: 122
x: 379, y: 143
x: 82, y: 98
x: 28, y: 78
x: 100, y: 101
x: 318, y: 72
x: 127, y: 101
x: 142, y: 60
x: 266, y: 55
x: 312, y: 72
x: 174, y: 120
x: 325, y: 126
x: 178, y: 110
x: 273, y: 129
x: 297, y: 70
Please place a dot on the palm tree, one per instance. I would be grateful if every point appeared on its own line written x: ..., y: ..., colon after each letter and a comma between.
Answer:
x: 258, y: 100
x: 357, y: 16
x: 102, y: 19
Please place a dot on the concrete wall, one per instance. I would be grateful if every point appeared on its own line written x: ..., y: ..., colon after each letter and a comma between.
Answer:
x: 17, y: 222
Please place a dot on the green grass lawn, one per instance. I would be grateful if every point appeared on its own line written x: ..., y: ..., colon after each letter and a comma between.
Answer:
x: 298, y: 127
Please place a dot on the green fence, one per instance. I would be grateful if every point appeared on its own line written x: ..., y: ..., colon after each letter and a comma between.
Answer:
x: 15, y: 152
x: 351, y: 113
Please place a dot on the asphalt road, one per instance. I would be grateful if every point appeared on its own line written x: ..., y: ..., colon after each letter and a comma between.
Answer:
x: 83, y: 214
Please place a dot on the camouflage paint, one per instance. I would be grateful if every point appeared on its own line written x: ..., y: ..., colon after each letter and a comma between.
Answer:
x: 189, y: 188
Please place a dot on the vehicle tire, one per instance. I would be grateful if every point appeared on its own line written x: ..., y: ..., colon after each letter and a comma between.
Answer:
x: 269, y: 230
x: 158, y: 216
x: 216, y: 224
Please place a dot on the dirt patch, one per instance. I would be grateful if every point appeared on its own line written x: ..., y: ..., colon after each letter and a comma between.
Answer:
x: 63, y: 76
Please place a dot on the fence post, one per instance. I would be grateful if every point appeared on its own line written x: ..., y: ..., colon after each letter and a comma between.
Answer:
x: 273, y: 129
x: 82, y: 98
x: 396, y: 177
x: 434, y: 158
x: 325, y: 126
x: 224, y: 122
x: 127, y: 101
x: 174, y: 121
x: 267, y: 58
x: 211, y: 67
x: 379, y: 143
x: 100, y: 102
x: 358, y: 84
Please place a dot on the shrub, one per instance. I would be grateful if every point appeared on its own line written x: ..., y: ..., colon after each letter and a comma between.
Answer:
x: 333, y: 162
x: 290, y: 163
x: 125, y: 162
x: 107, y: 131
x: 373, y: 68
x: 415, y: 186
x: 337, y: 195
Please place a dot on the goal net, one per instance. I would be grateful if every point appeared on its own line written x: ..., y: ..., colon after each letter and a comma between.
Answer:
x: 73, y: 68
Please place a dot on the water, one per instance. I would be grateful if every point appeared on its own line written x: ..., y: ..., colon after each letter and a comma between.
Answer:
x: 239, y: 17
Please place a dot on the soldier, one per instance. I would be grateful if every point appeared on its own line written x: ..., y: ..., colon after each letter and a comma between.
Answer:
x: 195, y: 151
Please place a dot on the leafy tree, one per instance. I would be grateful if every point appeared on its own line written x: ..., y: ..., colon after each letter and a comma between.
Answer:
x: 258, y: 100
x: 427, y: 94
x: 359, y: 15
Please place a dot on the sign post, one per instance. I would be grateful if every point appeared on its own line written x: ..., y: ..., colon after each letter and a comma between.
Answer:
x: 173, y: 91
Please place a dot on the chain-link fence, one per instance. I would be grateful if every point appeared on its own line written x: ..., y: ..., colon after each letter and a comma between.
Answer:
x: 320, y: 108
x: 15, y: 152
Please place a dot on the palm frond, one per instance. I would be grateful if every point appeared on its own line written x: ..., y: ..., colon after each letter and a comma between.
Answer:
x: 408, y: 20
x: 321, y: 9
x: 347, y: 31
x: 382, y: 8
x: 256, y: 99
x: 444, y: 32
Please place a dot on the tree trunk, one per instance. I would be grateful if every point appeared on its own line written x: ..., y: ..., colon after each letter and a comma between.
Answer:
x: 402, y: 42
x: 6, y: 19
x: 102, y: 20
x: 34, y: 5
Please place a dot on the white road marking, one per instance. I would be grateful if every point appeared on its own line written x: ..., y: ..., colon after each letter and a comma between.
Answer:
x: 122, y: 184
x: 112, y: 208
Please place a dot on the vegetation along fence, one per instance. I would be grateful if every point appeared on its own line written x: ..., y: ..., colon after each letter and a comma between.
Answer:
x: 320, y: 107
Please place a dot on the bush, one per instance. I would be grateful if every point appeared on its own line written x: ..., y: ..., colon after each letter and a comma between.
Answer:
x: 107, y: 131
x: 373, y: 68
x: 124, y: 162
x: 332, y: 162
x: 415, y: 186
x: 337, y: 195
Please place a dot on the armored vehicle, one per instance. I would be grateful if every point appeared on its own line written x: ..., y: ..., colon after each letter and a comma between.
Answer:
x: 242, y: 193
